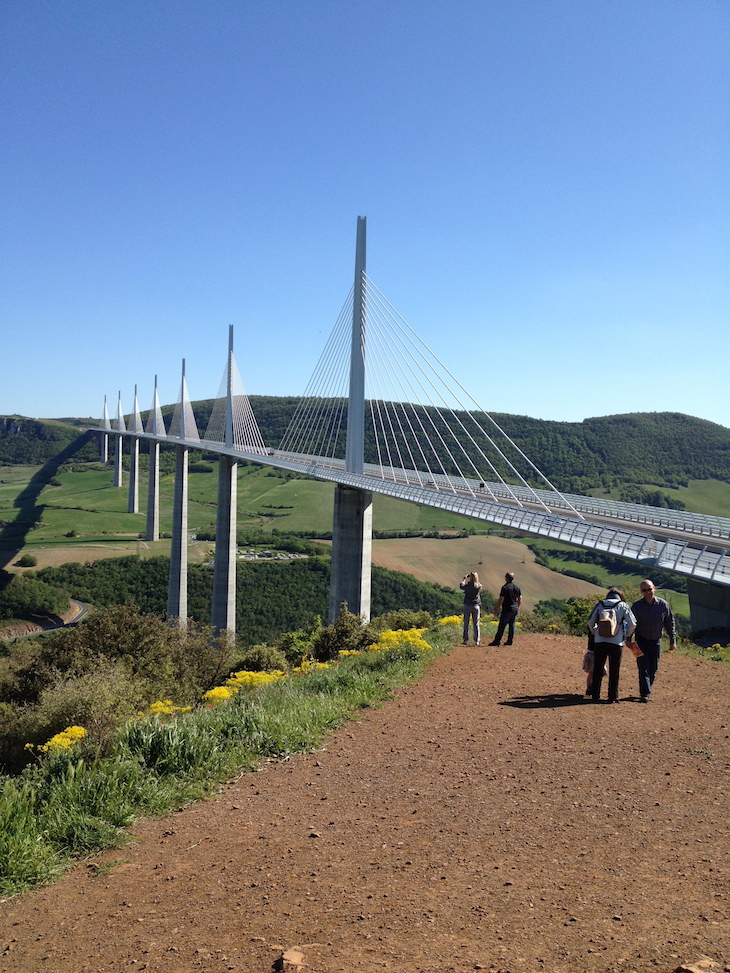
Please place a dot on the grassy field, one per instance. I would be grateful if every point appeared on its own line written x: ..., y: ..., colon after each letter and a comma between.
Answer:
x: 447, y: 561
x: 83, y: 517
x: 700, y: 496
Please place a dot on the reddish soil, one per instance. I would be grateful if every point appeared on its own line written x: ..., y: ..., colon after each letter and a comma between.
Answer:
x: 486, y: 819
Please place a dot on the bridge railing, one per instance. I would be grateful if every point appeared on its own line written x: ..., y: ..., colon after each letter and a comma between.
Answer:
x: 674, y: 555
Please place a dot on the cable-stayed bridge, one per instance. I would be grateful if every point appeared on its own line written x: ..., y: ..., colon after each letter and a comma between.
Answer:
x: 383, y: 415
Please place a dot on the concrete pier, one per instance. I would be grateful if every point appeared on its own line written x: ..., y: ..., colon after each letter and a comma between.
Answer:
x: 351, y: 552
x: 133, y: 498
x: 352, y: 522
x: 223, y: 611
x: 709, y: 606
x: 177, y: 590
x: 117, y: 461
x: 152, y: 532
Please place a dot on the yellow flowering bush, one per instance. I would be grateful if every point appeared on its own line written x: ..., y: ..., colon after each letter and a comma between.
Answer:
x: 309, y: 665
x: 64, y: 740
x: 218, y: 695
x: 252, y: 680
x: 717, y: 652
x: 401, y: 639
x: 450, y: 620
x: 165, y: 707
x: 344, y: 653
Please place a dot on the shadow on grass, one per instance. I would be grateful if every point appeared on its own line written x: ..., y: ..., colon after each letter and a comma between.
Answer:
x: 13, y: 535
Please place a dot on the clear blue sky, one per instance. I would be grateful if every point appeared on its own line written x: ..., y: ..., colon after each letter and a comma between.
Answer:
x: 546, y: 186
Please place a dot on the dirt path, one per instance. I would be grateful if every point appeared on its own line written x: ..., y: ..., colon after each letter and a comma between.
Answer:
x: 486, y: 819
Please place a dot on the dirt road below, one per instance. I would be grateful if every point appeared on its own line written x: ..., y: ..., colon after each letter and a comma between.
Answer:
x: 488, y: 818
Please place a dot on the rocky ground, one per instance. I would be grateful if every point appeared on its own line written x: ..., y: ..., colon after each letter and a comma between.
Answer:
x: 488, y: 818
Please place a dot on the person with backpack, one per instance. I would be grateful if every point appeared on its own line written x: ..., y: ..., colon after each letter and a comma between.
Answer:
x: 612, y: 622
x: 472, y: 600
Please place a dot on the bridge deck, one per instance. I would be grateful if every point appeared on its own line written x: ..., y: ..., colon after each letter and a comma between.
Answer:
x: 690, y: 544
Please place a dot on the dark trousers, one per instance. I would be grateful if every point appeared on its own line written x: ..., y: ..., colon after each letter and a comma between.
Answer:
x: 648, y: 663
x: 507, y: 620
x: 601, y: 652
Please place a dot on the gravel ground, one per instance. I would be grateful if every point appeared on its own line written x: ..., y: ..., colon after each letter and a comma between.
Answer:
x: 487, y: 818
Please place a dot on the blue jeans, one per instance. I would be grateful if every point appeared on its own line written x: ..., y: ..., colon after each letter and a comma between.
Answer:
x: 471, y: 612
x: 648, y: 663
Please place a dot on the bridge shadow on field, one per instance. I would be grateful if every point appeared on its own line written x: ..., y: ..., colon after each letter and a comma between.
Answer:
x: 13, y: 535
x: 548, y: 701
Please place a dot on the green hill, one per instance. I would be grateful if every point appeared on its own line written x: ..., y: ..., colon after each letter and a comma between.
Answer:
x: 663, y: 450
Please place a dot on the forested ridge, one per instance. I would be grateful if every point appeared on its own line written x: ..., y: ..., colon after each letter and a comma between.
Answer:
x: 665, y: 449
x: 271, y: 597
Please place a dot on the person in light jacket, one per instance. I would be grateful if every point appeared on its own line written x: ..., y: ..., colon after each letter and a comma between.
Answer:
x: 472, y: 589
x: 610, y: 646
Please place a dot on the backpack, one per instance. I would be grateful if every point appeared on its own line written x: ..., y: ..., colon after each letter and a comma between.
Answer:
x: 607, y: 620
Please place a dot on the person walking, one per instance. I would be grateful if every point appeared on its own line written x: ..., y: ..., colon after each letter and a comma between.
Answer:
x: 510, y: 600
x: 612, y: 622
x: 472, y: 601
x: 653, y: 617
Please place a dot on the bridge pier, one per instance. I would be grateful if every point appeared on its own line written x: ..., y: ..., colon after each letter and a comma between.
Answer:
x: 152, y: 531
x: 352, y: 523
x: 133, y: 499
x: 352, y: 542
x: 177, y: 589
x: 117, y: 461
x: 709, y: 606
x: 223, y: 610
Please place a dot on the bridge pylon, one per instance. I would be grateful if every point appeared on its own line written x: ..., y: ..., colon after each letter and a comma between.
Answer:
x: 223, y: 610
x: 183, y: 427
x: 155, y: 427
x: 104, y: 426
x: 352, y: 534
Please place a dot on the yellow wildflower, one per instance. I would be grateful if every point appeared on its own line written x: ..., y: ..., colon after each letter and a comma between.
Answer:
x: 64, y: 740
x: 402, y: 638
x: 218, y: 695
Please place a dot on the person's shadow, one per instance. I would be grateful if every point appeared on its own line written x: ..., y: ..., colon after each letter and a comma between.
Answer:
x: 547, y: 701
x: 14, y: 533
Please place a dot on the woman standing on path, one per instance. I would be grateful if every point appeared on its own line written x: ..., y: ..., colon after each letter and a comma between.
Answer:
x: 472, y: 600
x: 611, y: 623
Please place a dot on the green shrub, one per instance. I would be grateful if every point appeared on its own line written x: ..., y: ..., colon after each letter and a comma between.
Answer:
x: 348, y: 632
x: 402, y: 619
x: 28, y: 561
x: 262, y: 658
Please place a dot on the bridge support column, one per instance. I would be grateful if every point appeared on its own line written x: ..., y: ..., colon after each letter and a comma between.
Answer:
x: 152, y: 533
x: 133, y: 501
x: 223, y: 612
x: 104, y: 448
x: 117, y: 461
x: 177, y: 590
x: 709, y: 606
x: 352, y: 542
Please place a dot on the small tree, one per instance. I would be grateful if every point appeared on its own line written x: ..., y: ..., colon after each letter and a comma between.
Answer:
x: 347, y: 632
x: 28, y: 561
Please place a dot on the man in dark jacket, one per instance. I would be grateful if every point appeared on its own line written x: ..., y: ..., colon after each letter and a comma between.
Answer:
x: 510, y: 599
x: 653, y: 617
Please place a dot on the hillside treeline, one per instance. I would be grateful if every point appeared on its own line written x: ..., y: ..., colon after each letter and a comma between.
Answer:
x: 665, y: 449
x: 271, y: 597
